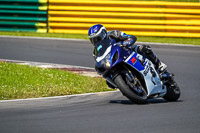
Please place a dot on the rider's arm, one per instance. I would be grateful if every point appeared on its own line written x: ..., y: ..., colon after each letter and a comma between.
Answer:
x: 128, y: 40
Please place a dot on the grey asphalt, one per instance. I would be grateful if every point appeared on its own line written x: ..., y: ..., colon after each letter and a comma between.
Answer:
x: 101, y: 113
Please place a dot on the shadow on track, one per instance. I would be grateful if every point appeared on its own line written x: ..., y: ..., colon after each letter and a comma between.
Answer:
x: 150, y: 101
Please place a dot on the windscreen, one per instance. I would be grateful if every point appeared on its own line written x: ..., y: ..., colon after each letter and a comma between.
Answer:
x: 102, y: 46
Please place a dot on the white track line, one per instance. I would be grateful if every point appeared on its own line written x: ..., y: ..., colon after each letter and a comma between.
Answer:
x: 58, y: 97
x: 45, y: 65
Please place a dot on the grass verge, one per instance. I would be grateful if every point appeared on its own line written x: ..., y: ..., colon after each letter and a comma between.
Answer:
x: 21, y: 81
x: 193, y: 41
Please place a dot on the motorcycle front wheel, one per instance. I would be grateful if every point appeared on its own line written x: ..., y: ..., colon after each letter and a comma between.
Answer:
x: 129, y: 92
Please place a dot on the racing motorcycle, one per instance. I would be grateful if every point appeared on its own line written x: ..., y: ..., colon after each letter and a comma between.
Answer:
x: 133, y: 74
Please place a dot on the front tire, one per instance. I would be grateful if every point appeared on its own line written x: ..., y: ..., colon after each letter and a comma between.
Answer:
x: 126, y: 91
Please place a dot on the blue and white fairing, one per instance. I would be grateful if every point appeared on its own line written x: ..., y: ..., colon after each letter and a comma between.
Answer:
x: 107, y: 52
x: 153, y: 82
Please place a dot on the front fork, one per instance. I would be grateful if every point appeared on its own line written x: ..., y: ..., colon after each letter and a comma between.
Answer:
x: 110, y: 83
x: 109, y: 79
x: 130, y: 79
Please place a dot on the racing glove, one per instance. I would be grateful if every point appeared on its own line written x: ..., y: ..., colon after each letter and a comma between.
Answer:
x: 128, y: 42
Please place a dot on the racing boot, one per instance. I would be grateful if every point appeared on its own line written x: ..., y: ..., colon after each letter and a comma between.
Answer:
x: 162, y: 67
x: 159, y: 66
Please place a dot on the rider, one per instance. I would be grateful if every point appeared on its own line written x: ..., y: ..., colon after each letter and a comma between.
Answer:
x: 98, y: 32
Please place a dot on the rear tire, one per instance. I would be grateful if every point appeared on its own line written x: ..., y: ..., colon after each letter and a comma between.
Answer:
x: 126, y: 91
x: 173, y: 91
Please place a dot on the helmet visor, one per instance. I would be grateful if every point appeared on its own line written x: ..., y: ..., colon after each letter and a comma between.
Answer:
x: 98, y: 38
x: 94, y: 40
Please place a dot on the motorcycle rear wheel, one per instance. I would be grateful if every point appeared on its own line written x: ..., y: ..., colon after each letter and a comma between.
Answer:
x: 173, y: 91
x: 128, y: 92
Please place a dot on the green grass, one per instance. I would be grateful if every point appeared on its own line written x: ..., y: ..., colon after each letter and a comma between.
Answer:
x: 21, y: 81
x: 193, y: 41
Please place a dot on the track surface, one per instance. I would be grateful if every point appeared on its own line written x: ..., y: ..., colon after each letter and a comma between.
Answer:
x: 101, y: 113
